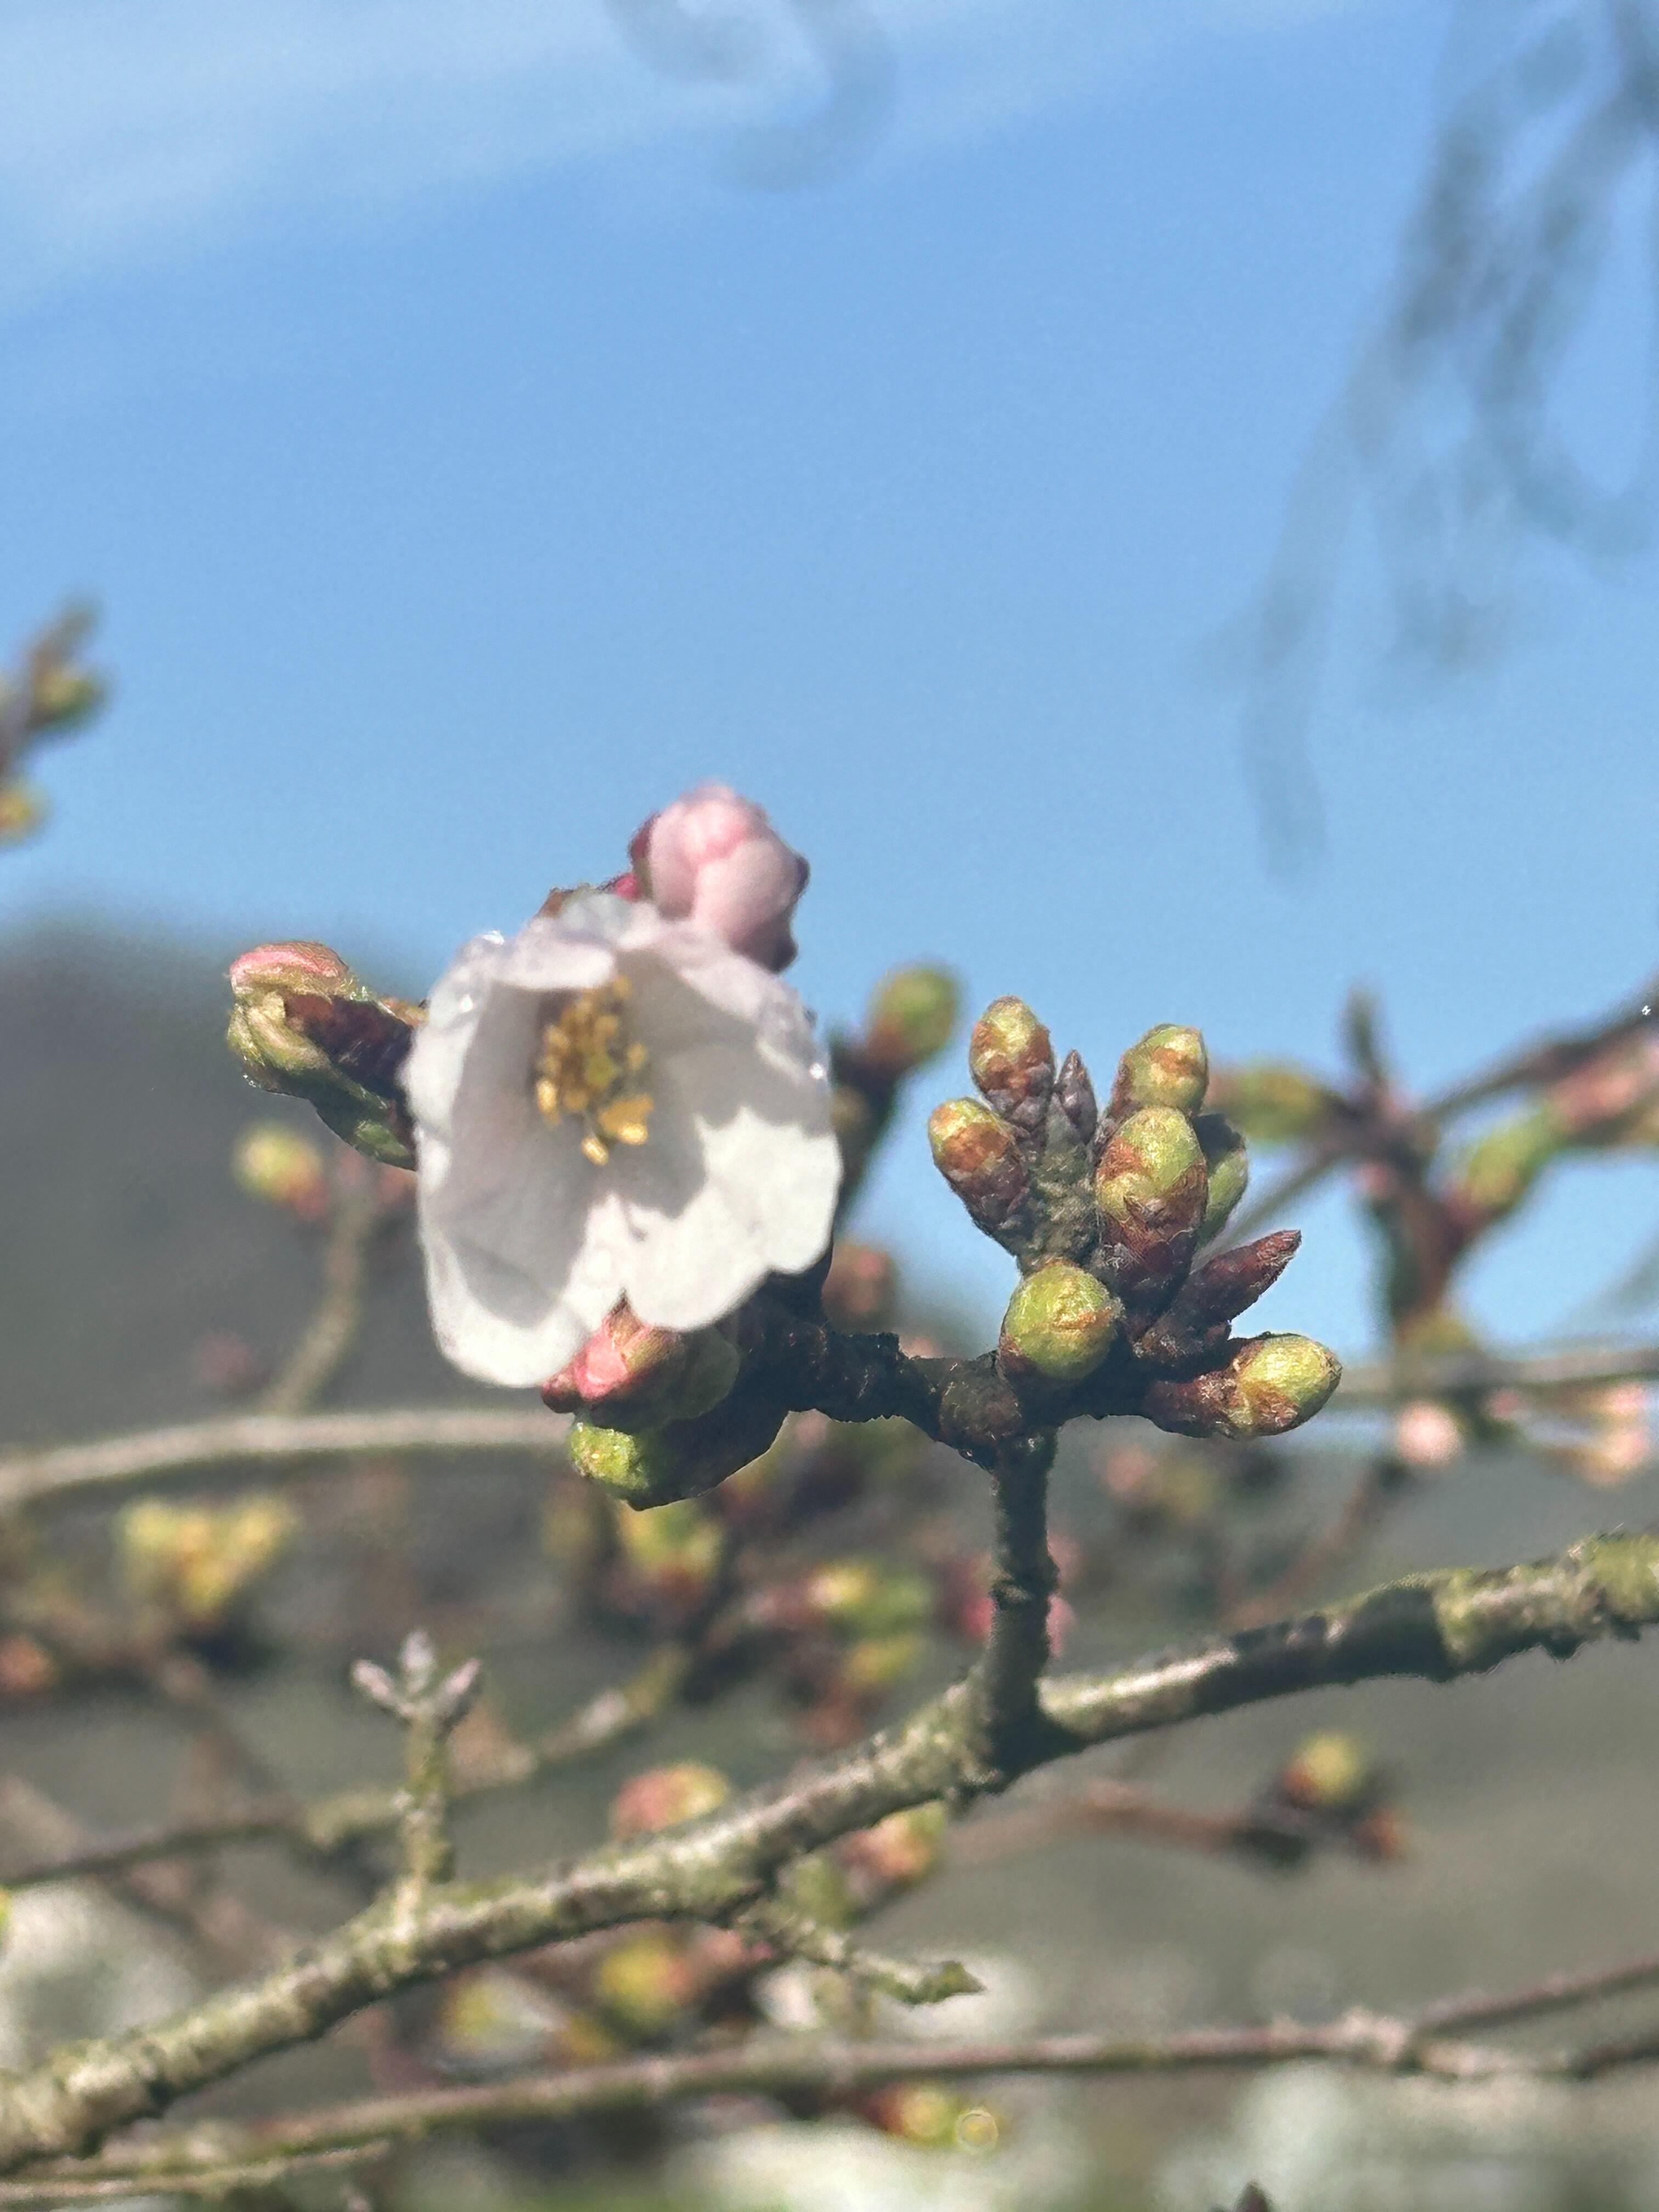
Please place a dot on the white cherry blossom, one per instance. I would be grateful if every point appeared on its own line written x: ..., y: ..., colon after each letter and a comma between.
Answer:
x: 611, y: 1104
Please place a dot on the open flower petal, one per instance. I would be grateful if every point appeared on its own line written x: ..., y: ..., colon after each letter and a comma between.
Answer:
x: 535, y: 1223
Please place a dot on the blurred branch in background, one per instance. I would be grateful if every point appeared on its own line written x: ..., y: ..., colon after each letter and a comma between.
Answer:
x: 48, y: 694
x: 1447, y: 435
x: 811, y: 2073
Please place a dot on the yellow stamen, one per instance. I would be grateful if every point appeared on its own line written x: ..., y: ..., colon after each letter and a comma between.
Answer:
x: 588, y: 1067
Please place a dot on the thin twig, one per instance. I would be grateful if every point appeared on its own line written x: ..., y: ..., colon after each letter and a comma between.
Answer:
x: 1553, y: 1993
x: 796, y: 2067
x: 328, y: 1337
x: 1327, y: 1548
x: 328, y: 1825
x: 1109, y: 1807
x: 68, y: 1474
x: 1371, y: 1385
x: 1437, y: 1627
x: 1548, y: 1061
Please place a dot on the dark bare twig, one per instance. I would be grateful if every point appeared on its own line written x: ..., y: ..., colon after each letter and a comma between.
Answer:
x: 1358, y: 1137
x: 326, y: 1826
x: 332, y: 1330
x: 1378, y: 1480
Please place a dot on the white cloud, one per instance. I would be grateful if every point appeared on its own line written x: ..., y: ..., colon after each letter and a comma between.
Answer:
x: 135, y: 128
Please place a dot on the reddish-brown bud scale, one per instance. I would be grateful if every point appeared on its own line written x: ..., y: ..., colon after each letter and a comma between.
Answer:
x: 1012, y: 1061
x: 978, y: 1155
x: 1214, y: 1295
x: 362, y: 1038
x: 1151, y: 1187
x: 1232, y: 1282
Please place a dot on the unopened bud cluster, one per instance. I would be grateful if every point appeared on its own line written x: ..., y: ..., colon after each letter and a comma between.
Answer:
x: 1106, y: 1213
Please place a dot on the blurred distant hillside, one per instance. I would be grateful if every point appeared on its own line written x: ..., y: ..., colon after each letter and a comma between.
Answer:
x: 125, y: 1241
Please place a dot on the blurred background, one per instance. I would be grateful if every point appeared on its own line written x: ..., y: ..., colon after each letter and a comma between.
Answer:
x: 1153, y: 495
x: 479, y: 421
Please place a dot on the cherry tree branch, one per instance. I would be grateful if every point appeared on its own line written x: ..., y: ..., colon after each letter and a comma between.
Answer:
x: 1435, y: 1626
x: 1430, y: 2040
x: 1371, y: 1385
x: 327, y: 1339
x: 1548, y: 1061
x: 325, y: 1827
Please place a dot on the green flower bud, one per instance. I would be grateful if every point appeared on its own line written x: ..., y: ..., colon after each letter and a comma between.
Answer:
x: 816, y: 1886
x: 978, y: 1155
x: 1151, y: 1189
x: 1060, y: 1325
x: 931, y: 2117
x: 302, y: 1024
x: 670, y: 1559
x: 199, y: 1565
x: 1275, y: 1102
x: 912, y: 1013
x: 61, y: 696
x: 1229, y: 1166
x: 1269, y: 1384
x: 683, y: 1459
x: 56, y: 691
x: 638, y: 1469
x: 1501, y: 1167
x: 275, y: 1164
x: 1169, y: 1066
x: 1012, y: 1061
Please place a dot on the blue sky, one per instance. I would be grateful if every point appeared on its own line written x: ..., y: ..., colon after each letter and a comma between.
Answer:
x: 468, y: 458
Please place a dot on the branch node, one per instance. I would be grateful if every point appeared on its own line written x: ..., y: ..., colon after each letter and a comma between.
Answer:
x: 796, y: 1935
x: 430, y: 1708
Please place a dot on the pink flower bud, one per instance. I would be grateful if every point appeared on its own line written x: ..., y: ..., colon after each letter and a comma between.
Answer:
x: 293, y: 967
x: 631, y: 1374
x: 713, y: 858
x: 623, y: 1358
